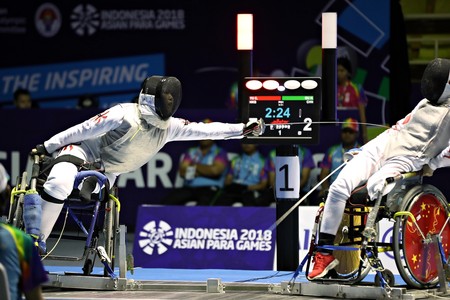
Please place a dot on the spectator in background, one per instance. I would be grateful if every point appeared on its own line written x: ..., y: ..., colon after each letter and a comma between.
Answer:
x: 87, y: 101
x: 246, y: 178
x: 203, y: 169
x: 20, y: 258
x: 306, y: 164
x: 334, y: 156
x: 5, y: 189
x: 22, y: 99
x: 350, y: 94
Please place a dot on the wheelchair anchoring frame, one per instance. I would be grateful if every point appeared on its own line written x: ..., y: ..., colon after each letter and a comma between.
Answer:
x: 91, y: 246
x: 91, y: 240
x: 91, y: 282
x: 369, y: 249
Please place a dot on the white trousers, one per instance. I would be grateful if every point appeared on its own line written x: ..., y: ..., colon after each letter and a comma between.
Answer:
x: 368, y: 166
x: 60, y: 184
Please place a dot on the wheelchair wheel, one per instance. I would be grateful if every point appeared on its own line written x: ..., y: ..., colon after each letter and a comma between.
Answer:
x: 415, y: 255
x: 388, y: 276
x: 350, y: 262
x: 88, y: 267
x: 15, y: 216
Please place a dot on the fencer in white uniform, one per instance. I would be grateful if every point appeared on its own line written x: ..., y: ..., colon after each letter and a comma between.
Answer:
x: 124, y: 138
x: 417, y: 140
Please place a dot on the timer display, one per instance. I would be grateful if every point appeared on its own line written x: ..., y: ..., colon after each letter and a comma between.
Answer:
x: 290, y: 107
x: 278, y: 112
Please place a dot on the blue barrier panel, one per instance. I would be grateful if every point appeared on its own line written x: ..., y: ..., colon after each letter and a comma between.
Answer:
x: 204, y: 237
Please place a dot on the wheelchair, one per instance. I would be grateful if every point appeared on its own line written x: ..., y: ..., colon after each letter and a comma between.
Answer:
x: 420, y: 243
x: 99, y: 235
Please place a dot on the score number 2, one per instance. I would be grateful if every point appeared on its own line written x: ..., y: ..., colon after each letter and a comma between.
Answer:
x: 306, y: 127
x: 308, y: 122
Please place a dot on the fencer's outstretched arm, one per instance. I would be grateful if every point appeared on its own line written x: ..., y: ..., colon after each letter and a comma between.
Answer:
x: 182, y: 130
x: 95, y: 126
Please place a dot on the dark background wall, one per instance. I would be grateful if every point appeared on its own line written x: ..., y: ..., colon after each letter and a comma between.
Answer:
x: 195, y: 41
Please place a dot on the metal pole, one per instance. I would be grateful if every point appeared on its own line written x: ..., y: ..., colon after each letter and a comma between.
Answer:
x: 245, y: 70
x: 287, y: 232
x: 329, y: 68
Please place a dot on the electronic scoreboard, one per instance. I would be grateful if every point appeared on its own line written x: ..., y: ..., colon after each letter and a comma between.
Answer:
x: 290, y: 107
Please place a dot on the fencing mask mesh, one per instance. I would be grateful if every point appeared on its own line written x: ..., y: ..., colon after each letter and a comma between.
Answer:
x: 435, y: 80
x: 167, y: 92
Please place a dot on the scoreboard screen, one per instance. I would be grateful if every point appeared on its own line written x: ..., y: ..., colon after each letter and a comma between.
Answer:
x: 290, y: 107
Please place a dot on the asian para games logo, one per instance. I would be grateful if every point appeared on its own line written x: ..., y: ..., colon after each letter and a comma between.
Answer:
x: 155, y: 237
x: 85, y: 19
x: 47, y: 20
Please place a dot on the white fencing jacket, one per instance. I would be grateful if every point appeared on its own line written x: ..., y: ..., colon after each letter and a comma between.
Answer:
x: 125, y: 139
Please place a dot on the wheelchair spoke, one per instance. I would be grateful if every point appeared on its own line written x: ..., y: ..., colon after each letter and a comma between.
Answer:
x: 444, y: 226
x: 416, y: 255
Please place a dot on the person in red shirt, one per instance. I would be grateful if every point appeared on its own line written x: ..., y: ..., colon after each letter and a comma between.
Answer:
x: 351, y: 95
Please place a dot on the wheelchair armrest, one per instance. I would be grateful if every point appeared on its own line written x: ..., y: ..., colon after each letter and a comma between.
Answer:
x: 74, y: 197
x: 89, y: 179
x: 405, y: 175
x: 101, y: 178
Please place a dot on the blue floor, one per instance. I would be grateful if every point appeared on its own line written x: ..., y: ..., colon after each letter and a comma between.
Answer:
x: 202, y: 275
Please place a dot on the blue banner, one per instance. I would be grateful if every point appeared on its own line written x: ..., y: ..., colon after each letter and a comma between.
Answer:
x: 81, y: 77
x: 204, y: 237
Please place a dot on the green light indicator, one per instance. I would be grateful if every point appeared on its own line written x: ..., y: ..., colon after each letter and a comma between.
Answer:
x: 297, y: 98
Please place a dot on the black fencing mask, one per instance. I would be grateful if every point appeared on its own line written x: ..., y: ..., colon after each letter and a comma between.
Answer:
x: 435, y: 81
x: 167, y: 92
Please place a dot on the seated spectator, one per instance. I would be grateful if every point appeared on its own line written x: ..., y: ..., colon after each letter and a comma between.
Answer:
x: 87, y: 101
x: 334, y: 156
x: 203, y: 169
x: 22, y: 99
x: 306, y: 164
x: 246, y: 178
x: 20, y: 258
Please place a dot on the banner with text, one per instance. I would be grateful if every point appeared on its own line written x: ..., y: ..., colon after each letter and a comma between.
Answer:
x: 204, y: 237
x: 222, y: 237
x: 81, y: 77
x: 287, y: 43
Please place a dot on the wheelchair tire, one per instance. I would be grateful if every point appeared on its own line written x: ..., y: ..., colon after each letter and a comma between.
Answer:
x: 88, y: 267
x: 16, y: 208
x: 388, y: 276
x: 415, y: 259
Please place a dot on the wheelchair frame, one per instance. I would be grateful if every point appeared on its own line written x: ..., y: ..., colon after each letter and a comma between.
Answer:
x: 106, y: 202
x: 421, y: 247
